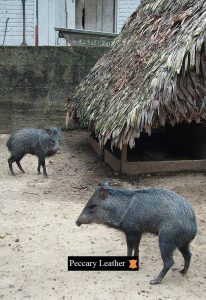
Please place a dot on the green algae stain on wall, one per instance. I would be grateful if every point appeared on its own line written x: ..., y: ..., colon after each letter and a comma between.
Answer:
x: 36, y: 82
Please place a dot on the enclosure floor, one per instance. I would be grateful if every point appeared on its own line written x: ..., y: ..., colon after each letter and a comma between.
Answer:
x: 38, y: 231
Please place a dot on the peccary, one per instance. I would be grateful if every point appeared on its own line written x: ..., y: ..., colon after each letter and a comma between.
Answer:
x: 39, y: 142
x: 137, y: 211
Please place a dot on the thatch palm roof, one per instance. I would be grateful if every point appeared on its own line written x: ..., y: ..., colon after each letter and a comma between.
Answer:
x: 154, y: 73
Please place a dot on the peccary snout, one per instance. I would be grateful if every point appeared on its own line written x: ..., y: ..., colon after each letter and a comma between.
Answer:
x: 78, y: 223
x: 86, y: 216
x: 39, y: 142
x: 157, y: 211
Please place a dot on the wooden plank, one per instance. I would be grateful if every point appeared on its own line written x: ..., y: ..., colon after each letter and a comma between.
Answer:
x: 124, y: 153
x: 107, y: 15
x: 111, y: 160
x: 51, y: 22
x: 44, y: 23
x: 90, y: 15
x: 79, y: 6
x: 99, y: 15
x: 95, y: 145
x: 133, y: 168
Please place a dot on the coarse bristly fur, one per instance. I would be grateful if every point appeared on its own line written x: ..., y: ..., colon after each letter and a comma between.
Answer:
x: 154, y: 210
x: 39, y: 142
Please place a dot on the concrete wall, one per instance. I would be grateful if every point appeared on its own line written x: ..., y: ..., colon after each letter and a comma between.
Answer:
x: 36, y: 82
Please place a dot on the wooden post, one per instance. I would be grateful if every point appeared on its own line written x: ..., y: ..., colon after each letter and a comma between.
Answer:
x: 123, y: 155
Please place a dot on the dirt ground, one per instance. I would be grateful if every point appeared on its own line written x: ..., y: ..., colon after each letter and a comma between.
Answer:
x: 38, y: 231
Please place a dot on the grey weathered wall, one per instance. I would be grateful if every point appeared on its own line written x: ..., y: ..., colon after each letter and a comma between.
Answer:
x: 35, y: 83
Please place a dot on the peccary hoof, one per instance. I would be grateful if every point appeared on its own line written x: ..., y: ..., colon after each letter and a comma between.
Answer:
x: 183, y: 271
x: 155, y: 281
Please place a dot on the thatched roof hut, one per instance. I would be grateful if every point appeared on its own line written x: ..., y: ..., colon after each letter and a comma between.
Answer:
x: 154, y: 73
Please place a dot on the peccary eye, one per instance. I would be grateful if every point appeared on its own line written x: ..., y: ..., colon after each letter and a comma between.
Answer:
x: 92, y: 206
x: 52, y: 142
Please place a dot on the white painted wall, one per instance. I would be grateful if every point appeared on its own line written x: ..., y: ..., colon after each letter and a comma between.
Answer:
x: 47, y: 22
x: 99, y: 15
x: 64, y: 17
x: 55, y: 13
x: 125, y: 9
x: 71, y: 13
x: 12, y: 9
x: 52, y: 13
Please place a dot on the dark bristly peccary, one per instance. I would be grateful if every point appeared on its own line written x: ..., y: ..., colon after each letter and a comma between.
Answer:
x: 39, y: 142
x: 157, y: 211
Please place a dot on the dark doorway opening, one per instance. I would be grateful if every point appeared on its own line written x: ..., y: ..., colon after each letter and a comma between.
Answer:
x: 179, y: 142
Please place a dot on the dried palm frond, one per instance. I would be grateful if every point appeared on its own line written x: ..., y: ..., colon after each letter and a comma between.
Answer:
x: 154, y: 73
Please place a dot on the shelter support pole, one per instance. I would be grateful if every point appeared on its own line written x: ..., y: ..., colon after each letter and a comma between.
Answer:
x: 123, y: 155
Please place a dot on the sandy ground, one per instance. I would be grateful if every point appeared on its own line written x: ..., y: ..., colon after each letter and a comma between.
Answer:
x: 38, y: 231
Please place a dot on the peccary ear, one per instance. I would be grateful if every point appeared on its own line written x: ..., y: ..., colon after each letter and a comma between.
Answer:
x: 49, y: 131
x: 103, y: 194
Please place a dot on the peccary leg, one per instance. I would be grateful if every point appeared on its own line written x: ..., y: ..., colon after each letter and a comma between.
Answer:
x: 10, y: 162
x: 133, y: 241
x: 167, y: 248
x: 42, y: 163
x: 44, y: 170
x: 136, y: 249
x: 15, y: 158
x: 19, y: 165
x: 39, y: 166
x: 187, y: 257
